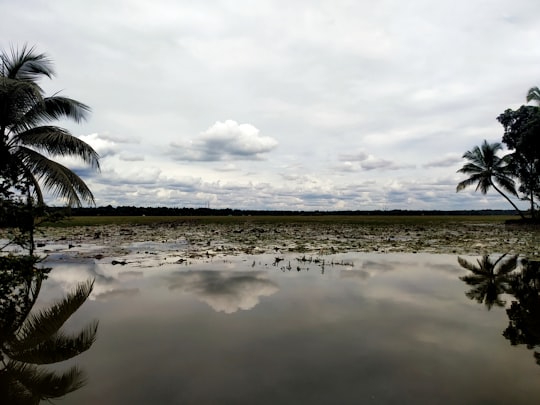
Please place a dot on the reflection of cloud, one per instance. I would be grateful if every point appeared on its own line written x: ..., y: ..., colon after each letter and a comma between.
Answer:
x: 386, y: 266
x: 355, y: 274
x: 123, y: 275
x: 448, y: 268
x: 224, y: 291
x: 120, y: 292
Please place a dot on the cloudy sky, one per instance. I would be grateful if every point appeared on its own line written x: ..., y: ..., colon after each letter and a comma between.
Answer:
x: 275, y: 104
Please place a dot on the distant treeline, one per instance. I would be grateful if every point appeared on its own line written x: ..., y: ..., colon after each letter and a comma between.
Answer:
x: 169, y: 211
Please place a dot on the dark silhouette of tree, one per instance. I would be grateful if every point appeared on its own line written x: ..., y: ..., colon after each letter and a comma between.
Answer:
x: 489, y: 279
x: 29, y: 340
x: 533, y: 95
x: 522, y: 136
x: 488, y: 170
x: 28, y: 141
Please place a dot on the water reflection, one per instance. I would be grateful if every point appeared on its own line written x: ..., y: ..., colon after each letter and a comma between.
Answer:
x: 520, y: 279
x: 372, y: 329
x: 29, y: 340
x: 224, y: 291
x: 489, y: 279
x: 524, y: 312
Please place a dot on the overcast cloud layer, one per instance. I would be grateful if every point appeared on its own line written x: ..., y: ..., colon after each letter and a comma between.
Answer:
x: 297, y: 105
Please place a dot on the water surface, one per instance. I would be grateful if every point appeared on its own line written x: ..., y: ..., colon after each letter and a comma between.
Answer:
x: 348, y: 329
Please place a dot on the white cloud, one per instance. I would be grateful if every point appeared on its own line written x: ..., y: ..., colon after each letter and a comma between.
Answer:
x: 226, y: 141
x: 103, y: 146
x: 356, y: 96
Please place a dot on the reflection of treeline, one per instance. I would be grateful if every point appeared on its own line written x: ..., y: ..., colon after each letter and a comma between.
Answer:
x: 493, y: 280
x: 184, y: 211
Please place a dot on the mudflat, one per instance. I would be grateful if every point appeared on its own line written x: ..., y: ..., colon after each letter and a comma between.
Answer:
x: 191, y: 238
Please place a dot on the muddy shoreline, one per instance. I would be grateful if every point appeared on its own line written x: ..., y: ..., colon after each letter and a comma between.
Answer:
x: 183, y: 241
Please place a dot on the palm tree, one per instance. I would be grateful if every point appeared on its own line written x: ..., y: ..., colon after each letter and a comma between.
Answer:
x: 29, y: 341
x: 533, y: 95
x: 486, y: 170
x: 489, y: 279
x: 27, y: 140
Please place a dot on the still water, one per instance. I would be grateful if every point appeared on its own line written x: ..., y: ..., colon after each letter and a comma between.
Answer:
x: 339, y: 329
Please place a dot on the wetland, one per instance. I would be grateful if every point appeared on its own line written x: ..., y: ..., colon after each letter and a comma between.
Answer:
x: 251, y: 310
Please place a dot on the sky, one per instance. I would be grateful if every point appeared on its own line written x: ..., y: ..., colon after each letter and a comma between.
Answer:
x: 284, y: 105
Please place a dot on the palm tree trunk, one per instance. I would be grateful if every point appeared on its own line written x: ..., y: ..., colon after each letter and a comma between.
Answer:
x: 31, y: 221
x: 509, y: 200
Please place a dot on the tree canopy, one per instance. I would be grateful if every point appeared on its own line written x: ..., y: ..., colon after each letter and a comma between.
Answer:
x: 521, y: 166
x: 28, y: 141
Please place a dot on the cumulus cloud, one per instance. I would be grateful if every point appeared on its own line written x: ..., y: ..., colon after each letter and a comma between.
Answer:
x: 226, y: 141
x: 103, y: 146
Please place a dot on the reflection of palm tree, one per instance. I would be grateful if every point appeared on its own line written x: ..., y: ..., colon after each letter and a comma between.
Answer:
x: 30, y: 340
x: 489, y: 279
x: 524, y: 312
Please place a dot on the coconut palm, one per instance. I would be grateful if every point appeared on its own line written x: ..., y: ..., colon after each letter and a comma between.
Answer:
x: 487, y: 170
x: 489, y: 279
x: 28, y: 143
x: 533, y: 95
x: 29, y: 341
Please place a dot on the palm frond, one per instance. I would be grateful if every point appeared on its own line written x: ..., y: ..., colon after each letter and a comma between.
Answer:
x: 16, y: 99
x: 506, y: 183
x: 45, y: 384
x: 57, y: 141
x: 468, y: 182
x: 41, y: 326
x: 533, y: 94
x: 50, y: 109
x: 56, y: 178
x: 26, y: 65
x: 466, y: 264
x: 472, y: 168
x: 59, y: 347
x: 508, y: 265
x: 57, y: 107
